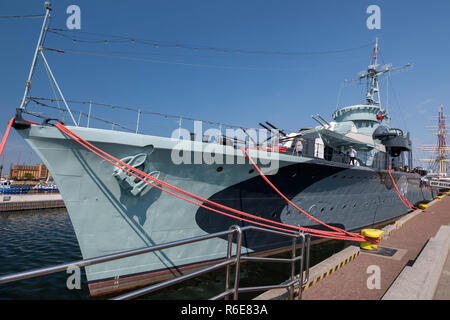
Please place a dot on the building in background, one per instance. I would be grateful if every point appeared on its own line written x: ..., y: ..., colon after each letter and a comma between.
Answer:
x: 21, y: 172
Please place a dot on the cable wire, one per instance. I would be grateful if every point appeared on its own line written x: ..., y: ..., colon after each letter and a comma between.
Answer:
x: 161, y: 43
x: 29, y: 16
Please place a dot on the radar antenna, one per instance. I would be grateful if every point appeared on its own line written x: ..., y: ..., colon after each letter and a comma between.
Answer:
x: 372, y: 73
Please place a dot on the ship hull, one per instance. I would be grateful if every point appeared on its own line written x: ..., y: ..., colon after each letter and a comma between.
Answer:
x: 110, y: 215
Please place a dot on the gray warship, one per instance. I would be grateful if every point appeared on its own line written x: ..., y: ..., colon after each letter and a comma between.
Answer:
x: 112, y: 212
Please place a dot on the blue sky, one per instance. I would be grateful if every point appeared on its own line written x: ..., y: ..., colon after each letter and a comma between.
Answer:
x: 235, y: 88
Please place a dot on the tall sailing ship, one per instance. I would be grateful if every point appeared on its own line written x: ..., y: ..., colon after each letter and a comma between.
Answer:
x: 111, y: 211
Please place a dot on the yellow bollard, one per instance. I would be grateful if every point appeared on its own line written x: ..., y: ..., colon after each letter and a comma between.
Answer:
x: 423, y: 206
x: 373, y: 234
x: 439, y: 197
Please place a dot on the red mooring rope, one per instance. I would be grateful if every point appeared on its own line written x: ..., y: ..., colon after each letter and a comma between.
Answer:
x: 434, y: 190
x: 5, y: 136
x: 402, y: 198
x: 338, y: 234
x: 293, y: 204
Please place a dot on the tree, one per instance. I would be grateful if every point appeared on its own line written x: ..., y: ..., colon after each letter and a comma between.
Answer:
x: 28, y: 176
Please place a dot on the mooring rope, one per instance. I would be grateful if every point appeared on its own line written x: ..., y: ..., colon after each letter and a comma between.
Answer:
x: 340, y: 235
x: 402, y: 198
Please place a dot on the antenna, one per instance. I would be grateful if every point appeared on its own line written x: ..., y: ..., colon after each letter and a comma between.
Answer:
x: 372, y: 73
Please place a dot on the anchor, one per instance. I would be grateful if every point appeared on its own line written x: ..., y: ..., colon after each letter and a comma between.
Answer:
x: 130, y: 183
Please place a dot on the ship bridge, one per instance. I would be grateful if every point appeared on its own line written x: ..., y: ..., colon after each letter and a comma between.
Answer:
x: 365, y: 117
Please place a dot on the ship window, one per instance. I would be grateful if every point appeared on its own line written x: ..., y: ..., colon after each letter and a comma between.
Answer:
x: 219, y: 169
x: 251, y: 171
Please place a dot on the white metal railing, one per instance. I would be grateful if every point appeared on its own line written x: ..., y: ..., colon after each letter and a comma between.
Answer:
x: 296, y: 280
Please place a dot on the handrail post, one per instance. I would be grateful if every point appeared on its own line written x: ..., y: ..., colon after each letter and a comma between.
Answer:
x: 229, y: 249
x: 293, y: 252
x: 138, y: 119
x: 89, y: 114
x: 238, y: 261
x: 300, y: 275
x: 306, y: 245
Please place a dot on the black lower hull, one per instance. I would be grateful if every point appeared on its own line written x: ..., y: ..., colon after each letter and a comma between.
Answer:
x: 350, y: 198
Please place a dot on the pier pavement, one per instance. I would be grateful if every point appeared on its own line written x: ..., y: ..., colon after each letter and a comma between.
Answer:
x: 412, y: 263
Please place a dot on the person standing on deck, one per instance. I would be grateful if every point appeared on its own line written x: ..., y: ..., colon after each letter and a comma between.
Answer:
x: 352, y: 153
x: 299, y: 147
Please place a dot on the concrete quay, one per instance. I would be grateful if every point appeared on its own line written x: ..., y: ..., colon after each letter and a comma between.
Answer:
x: 412, y: 263
x: 30, y: 202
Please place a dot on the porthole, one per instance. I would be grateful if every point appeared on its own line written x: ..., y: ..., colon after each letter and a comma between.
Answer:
x: 251, y: 171
x: 321, y: 210
x: 344, y: 206
x: 219, y: 169
x: 331, y: 209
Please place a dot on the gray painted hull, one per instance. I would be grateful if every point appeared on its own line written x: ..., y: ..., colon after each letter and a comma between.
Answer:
x: 108, y: 218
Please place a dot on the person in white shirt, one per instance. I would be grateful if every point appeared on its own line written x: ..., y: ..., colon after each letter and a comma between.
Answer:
x: 299, y: 146
x: 352, y: 153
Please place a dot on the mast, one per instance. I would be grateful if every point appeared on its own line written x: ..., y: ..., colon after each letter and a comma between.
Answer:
x: 39, y: 52
x: 373, y: 90
x: 441, y: 160
x: 372, y: 73
x: 36, y: 52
